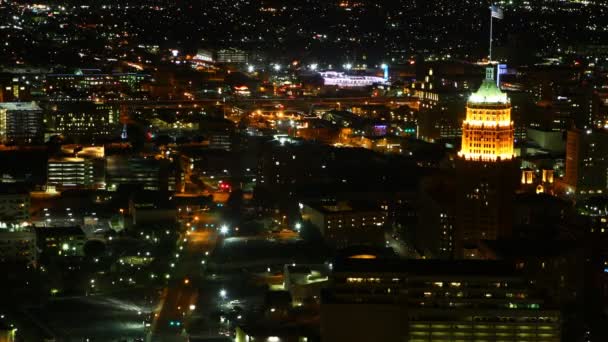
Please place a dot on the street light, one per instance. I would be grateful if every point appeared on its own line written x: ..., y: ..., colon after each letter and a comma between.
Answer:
x: 223, y: 293
x: 298, y: 226
x: 250, y: 68
x: 192, y: 307
x: 224, y: 230
x: 277, y: 67
x: 348, y: 66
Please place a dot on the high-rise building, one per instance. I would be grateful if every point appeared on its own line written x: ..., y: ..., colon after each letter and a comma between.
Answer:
x: 486, y: 170
x: 20, y: 122
x: 487, y: 131
x: 586, y: 162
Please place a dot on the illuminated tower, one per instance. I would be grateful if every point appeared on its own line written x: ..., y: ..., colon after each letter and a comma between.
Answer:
x: 486, y: 171
x: 487, y: 131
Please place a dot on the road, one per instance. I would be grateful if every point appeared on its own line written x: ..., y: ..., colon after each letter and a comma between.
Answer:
x: 179, y: 298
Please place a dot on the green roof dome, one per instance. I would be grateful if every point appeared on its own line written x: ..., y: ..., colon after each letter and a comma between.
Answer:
x: 488, y: 92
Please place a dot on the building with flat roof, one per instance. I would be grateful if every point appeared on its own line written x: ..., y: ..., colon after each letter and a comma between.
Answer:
x: 432, y: 300
x: 586, y: 162
x: 149, y: 173
x: 14, y: 205
x: 63, y: 241
x: 20, y: 122
x: 18, y: 246
x: 71, y: 172
x: 85, y: 121
x: 344, y: 224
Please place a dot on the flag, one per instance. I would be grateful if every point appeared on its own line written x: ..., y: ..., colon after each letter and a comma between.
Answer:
x: 496, y: 12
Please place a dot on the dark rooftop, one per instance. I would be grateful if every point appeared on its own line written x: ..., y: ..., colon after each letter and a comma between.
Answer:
x: 426, y: 267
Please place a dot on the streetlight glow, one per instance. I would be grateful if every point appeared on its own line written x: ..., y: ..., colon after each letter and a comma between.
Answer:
x: 224, y: 230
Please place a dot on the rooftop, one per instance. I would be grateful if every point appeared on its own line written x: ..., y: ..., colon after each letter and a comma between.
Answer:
x: 426, y: 267
x: 19, y: 106
x: 488, y: 92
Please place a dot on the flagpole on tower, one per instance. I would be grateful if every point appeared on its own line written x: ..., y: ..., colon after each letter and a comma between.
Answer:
x: 491, y: 37
x: 495, y: 12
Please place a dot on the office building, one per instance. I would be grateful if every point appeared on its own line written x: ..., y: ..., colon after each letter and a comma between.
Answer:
x: 18, y: 246
x: 232, y: 56
x: 586, y: 162
x: 71, y: 172
x: 85, y: 121
x: 440, y: 111
x: 62, y: 241
x: 69, y: 87
x: 486, y: 170
x: 20, y: 122
x: 431, y: 300
x: 148, y: 173
x: 344, y: 224
x: 14, y: 206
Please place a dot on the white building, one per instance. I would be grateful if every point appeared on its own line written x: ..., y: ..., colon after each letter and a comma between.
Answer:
x: 343, y: 80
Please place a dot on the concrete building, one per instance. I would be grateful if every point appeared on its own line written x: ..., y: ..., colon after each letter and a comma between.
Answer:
x: 20, y: 122
x: 71, y: 172
x: 486, y: 170
x: 62, y: 241
x: 14, y: 205
x: 152, y: 207
x: 586, y: 162
x: 431, y: 300
x: 344, y: 224
x: 305, y: 282
x: 149, y: 173
x: 232, y: 56
x: 440, y: 112
x: 18, y: 246
x: 85, y: 121
x: 552, y: 141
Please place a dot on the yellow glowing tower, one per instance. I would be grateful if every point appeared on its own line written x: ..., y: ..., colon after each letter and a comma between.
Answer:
x: 486, y: 171
x: 487, y: 131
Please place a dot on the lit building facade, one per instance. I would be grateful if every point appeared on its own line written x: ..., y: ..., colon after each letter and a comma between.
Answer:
x: 85, y: 121
x: 487, y: 131
x: 20, y: 122
x: 440, y: 111
x: 232, y: 56
x: 344, y: 224
x: 65, y: 173
x: 586, y: 162
x: 487, y: 172
x: 18, y: 246
x: 14, y: 206
x: 149, y: 173
x: 343, y: 80
x: 432, y: 300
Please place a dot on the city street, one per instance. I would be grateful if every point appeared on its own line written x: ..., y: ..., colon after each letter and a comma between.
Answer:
x: 179, y: 298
